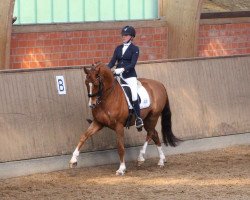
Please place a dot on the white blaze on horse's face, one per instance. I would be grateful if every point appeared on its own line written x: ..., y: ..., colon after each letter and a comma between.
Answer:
x: 90, y: 92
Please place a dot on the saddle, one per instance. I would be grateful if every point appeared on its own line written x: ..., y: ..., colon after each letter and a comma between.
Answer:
x: 143, y: 97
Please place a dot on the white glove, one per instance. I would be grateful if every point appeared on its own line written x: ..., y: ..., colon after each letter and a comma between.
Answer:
x: 119, y: 70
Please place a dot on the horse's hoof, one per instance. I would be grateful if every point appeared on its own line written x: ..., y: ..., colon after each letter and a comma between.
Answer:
x: 120, y: 173
x: 140, y: 163
x: 161, y: 166
x: 73, y: 165
x: 161, y: 163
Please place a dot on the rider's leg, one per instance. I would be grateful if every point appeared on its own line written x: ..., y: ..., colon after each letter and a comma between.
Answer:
x: 138, y: 121
x: 132, y: 82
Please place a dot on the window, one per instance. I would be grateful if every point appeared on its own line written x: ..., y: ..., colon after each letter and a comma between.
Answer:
x: 56, y: 11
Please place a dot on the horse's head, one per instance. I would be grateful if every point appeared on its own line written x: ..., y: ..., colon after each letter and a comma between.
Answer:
x: 98, y: 79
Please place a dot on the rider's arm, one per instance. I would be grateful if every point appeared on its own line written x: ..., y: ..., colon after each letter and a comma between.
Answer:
x: 134, y: 59
x: 114, y: 59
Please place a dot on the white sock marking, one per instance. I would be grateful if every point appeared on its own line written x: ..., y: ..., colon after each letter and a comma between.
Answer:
x: 142, y: 152
x: 161, y: 155
x: 122, y: 169
x: 74, y: 156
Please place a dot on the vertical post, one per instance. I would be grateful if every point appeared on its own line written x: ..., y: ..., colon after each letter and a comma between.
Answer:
x: 183, y: 18
x: 6, y: 14
x: 161, y: 8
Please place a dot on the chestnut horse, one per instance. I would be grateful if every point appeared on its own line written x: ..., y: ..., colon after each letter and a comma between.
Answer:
x: 110, y: 109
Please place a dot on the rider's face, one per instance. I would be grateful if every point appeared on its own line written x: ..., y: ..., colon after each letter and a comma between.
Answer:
x: 126, y: 38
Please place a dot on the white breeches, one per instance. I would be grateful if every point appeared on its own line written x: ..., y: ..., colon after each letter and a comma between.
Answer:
x: 132, y: 82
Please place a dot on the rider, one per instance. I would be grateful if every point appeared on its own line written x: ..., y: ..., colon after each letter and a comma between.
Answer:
x: 126, y: 56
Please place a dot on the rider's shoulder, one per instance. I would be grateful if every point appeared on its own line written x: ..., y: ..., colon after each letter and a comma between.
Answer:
x: 119, y: 46
x: 135, y: 48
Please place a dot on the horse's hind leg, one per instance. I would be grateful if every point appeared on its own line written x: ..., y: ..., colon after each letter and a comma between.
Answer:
x: 141, y: 158
x: 156, y: 139
x: 149, y: 124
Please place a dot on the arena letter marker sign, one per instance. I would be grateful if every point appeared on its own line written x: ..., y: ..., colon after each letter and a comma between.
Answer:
x: 61, y: 85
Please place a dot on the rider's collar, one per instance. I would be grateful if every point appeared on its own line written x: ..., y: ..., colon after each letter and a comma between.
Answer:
x: 127, y: 44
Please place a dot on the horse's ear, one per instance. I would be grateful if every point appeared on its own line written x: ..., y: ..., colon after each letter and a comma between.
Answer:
x: 99, y: 63
x: 86, y: 70
x: 97, y: 68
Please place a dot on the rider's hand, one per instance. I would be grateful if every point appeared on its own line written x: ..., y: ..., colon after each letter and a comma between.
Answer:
x: 119, y: 70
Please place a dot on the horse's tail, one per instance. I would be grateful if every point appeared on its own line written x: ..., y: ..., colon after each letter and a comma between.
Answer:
x: 166, y: 125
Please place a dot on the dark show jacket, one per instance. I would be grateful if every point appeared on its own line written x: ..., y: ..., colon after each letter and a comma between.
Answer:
x: 128, y: 60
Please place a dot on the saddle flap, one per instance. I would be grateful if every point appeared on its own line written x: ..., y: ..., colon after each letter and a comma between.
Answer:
x: 143, y: 97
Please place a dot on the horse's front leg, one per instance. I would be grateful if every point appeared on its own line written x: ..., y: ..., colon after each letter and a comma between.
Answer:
x: 121, y: 150
x: 93, y: 128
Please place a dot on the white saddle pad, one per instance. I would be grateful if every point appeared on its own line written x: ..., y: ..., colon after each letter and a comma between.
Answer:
x: 142, y: 92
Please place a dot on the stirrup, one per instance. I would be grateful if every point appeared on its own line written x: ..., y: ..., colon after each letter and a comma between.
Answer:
x: 139, y: 123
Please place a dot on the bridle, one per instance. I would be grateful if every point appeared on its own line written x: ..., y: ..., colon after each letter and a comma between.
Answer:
x: 100, y: 93
x: 100, y: 88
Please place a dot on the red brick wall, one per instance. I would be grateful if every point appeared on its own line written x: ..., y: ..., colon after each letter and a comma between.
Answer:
x: 224, y: 39
x: 52, y: 49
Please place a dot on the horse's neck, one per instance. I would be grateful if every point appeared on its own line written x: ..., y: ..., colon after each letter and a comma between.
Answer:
x: 113, y: 92
x: 110, y: 105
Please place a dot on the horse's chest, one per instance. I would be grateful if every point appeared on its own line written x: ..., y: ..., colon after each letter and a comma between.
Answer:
x: 104, y: 117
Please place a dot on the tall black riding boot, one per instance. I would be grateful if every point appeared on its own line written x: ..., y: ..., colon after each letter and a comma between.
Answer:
x: 138, y: 122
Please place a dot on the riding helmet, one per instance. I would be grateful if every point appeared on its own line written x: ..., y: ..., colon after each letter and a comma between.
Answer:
x: 128, y: 30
